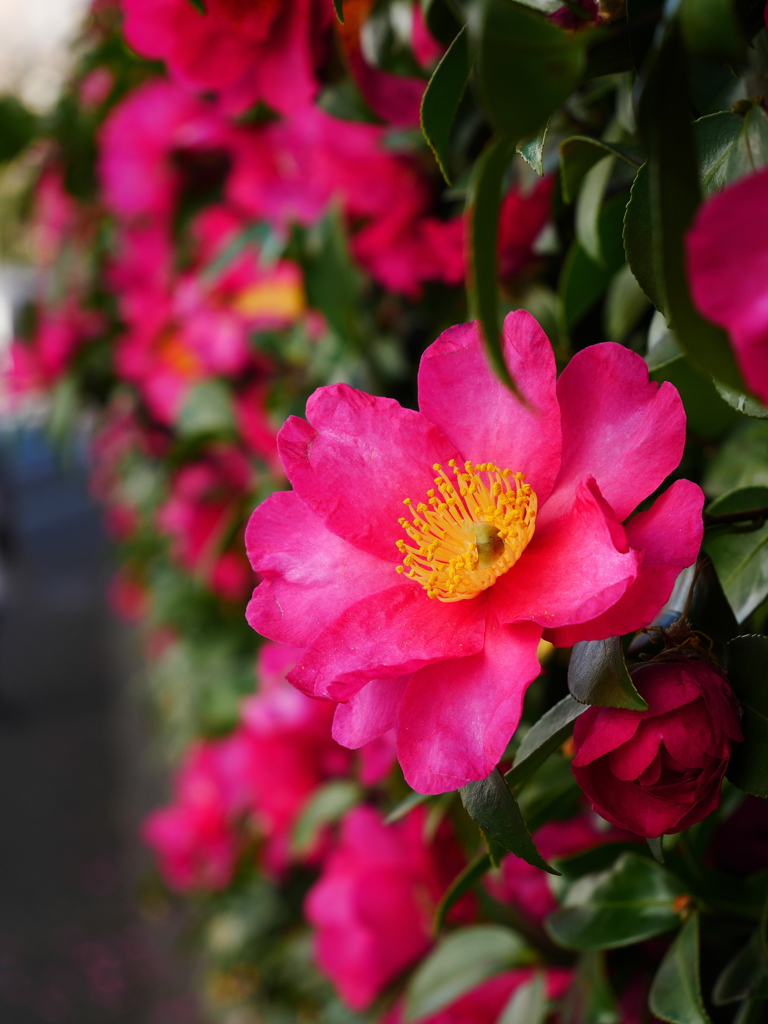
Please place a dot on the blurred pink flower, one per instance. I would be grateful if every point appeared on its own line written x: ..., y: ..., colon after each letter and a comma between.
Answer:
x: 374, y: 902
x: 445, y: 651
x: 202, y: 510
x: 244, y: 53
x: 728, y: 271
x: 484, y: 1004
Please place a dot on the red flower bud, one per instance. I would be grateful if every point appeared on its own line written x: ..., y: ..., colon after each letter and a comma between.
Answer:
x: 659, y: 771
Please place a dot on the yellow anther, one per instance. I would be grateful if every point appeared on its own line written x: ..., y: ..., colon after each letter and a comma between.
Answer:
x: 476, y: 534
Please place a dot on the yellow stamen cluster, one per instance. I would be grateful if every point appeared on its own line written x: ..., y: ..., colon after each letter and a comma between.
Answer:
x: 468, y: 533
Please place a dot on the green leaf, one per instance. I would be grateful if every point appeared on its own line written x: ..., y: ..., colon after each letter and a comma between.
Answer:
x: 459, y: 963
x: 590, y: 998
x: 527, y: 1004
x: 18, y: 127
x: 526, y: 65
x: 441, y: 20
x: 742, y: 461
x: 329, y: 803
x: 582, y: 280
x: 656, y: 846
x: 484, y: 202
x: 579, y: 153
x: 711, y: 29
x: 746, y: 662
x: 491, y: 805
x: 744, y: 404
x: 532, y: 150
x: 199, y: 5
x: 625, y: 305
x: 674, y: 192
x: 589, y: 206
x: 598, y: 675
x: 630, y: 902
x: 675, y: 994
x: 745, y: 976
x: 332, y: 281
x: 550, y: 732
x: 739, y: 555
x: 639, y: 239
x: 406, y: 806
x: 461, y: 884
x: 207, y: 409
x: 442, y: 98
x: 730, y: 145
x: 338, y: 6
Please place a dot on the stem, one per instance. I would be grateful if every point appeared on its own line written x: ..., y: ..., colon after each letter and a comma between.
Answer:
x: 753, y: 517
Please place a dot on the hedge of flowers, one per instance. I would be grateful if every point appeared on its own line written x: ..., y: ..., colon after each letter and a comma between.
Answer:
x: 423, y: 348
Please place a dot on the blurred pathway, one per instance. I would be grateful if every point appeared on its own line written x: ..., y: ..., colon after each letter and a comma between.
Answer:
x: 73, y: 947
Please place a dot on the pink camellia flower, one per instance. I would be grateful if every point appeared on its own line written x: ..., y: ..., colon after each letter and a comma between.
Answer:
x: 422, y: 554
x: 195, y: 838
x: 525, y: 886
x: 727, y: 267
x: 199, y: 515
x: 374, y: 902
x: 266, y: 51
x: 658, y: 771
x: 484, y: 1004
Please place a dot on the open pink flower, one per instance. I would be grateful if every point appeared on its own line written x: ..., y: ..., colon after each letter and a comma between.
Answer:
x: 444, y: 647
x: 728, y: 271
x: 375, y: 900
x: 265, y: 51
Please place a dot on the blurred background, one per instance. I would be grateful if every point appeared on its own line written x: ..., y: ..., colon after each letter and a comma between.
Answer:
x: 76, y: 768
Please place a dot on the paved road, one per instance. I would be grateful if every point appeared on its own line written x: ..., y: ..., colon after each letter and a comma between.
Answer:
x: 74, y: 948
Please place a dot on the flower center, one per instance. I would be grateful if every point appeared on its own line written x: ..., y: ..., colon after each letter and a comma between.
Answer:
x: 468, y: 533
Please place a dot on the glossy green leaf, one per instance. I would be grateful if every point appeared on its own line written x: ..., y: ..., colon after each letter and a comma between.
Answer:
x: 580, y: 153
x: 207, y: 409
x: 710, y: 28
x: 526, y: 65
x: 338, y: 6
x: 461, y: 884
x: 598, y: 674
x: 532, y: 150
x: 675, y: 994
x: 628, y: 903
x: 625, y: 305
x: 707, y: 413
x: 740, y: 554
x: 583, y: 281
x: 639, y: 240
x: 675, y: 193
x: 744, y: 404
x: 489, y: 802
x: 484, y: 204
x: 442, y: 98
x: 745, y: 976
x: 551, y: 731
x: 329, y: 803
x: 460, y: 962
x: 589, y: 206
x: 527, y: 1004
x: 590, y: 999
x: 742, y: 461
x: 730, y: 145
x: 746, y: 662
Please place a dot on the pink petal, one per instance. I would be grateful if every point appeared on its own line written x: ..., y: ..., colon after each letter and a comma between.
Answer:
x: 356, y: 461
x: 460, y: 393
x: 388, y: 634
x: 600, y: 730
x: 371, y: 712
x: 458, y: 716
x: 618, y: 426
x: 728, y: 269
x: 573, y: 569
x: 631, y: 759
x: 310, y: 576
x: 669, y: 536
